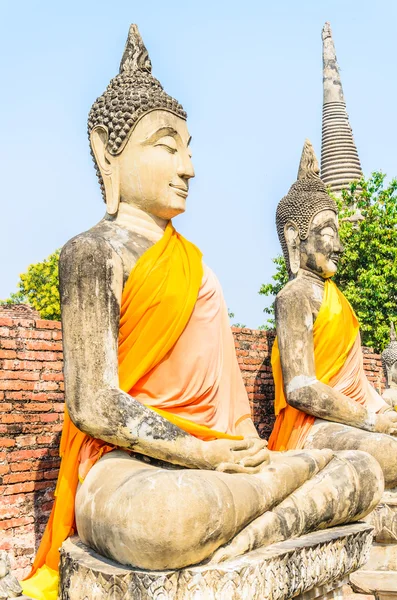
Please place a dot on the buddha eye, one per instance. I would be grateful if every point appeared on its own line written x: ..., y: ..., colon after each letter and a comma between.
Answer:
x: 329, y: 231
x: 168, y: 143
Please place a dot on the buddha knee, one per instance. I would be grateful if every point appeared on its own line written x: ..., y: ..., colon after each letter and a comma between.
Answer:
x: 385, y: 451
x: 367, y: 472
x: 179, y: 518
x: 158, y: 519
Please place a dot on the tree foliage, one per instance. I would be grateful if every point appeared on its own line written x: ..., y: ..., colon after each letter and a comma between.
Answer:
x: 38, y: 287
x: 367, y: 271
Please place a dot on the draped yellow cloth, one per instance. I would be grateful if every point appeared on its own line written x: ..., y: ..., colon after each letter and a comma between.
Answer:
x: 157, y: 302
x: 334, y: 333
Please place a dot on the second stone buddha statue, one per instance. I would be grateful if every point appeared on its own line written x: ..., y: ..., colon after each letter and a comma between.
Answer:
x: 162, y: 466
x: 323, y: 398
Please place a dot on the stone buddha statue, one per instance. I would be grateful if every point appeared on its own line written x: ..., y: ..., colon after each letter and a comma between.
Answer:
x: 323, y: 398
x: 162, y: 466
x: 389, y: 361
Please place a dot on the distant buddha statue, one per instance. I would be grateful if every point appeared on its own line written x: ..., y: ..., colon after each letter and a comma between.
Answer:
x: 162, y: 466
x: 323, y: 398
x: 389, y: 361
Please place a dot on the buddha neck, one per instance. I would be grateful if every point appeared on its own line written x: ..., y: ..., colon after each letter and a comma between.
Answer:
x: 310, y: 276
x: 135, y: 219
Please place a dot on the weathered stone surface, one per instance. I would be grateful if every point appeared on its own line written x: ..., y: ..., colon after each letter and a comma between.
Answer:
x: 278, y: 572
x: 384, y: 518
x: 9, y: 585
x: 382, y: 583
x: 379, y: 574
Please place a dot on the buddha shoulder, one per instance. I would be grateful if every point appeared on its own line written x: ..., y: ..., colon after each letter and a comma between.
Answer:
x: 298, y: 297
x: 103, y: 249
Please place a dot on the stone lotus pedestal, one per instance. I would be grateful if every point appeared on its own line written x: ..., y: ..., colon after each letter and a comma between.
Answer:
x: 313, y: 566
x: 379, y: 574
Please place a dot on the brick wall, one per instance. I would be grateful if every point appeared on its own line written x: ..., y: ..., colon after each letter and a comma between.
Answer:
x: 253, y: 349
x: 31, y: 414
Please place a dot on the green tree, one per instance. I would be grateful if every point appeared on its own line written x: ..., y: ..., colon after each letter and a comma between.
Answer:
x: 38, y: 287
x: 367, y: 271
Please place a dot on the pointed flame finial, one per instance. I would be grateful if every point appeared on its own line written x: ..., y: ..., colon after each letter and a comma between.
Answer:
x: 392, y: 332
x: 332, y: 86
x: 308, y: 166
x: 135, y: 56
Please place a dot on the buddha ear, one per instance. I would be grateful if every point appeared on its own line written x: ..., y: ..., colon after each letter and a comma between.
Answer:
x: 108, y: 166
x: 291, y: 235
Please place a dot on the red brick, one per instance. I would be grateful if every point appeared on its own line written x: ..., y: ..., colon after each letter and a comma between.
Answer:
x: 22, y: 365
x: 57, y: 335
x: 22, y: 477
x: 54, y: 396
x: 5, y: 407
x: 7, y: 418
x: 51, y: 474
x: 9, y: 512
x: 44, y: 324
x: 7, y: 384
x: 47, y: 386
x: 38, y: 396
x: 46, y: 439
x: 43, y: 345
x: 37, y: 406
x: 37, y: 355
x: 6, y: 442
x: 6, y: 544
x: 21, y: 465
x: 8, y: 523
x: 52, y: 377
x: 49, y: 417
x: 8, y: 354
x: 26, y: 440
x: 26, y: 454
x: 55, y: 365
x: 34, y: 334
x: 10, y: 344
x: 6, y: 322
x: 4, y: 469
x: 24, y: 375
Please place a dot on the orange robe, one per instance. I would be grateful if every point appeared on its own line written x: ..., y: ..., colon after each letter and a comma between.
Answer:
x: 338, y: 363
x: 173, y: 324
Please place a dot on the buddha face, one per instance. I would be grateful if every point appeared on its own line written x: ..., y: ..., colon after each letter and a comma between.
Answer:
x: 320, y: 252
x: 152, y: 172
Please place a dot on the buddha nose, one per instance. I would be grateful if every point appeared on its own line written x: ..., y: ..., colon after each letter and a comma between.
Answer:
x: 185, y: 168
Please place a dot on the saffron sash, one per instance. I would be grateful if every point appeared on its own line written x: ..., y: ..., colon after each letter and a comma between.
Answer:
x: 334, y: 332
x: 157, y: 302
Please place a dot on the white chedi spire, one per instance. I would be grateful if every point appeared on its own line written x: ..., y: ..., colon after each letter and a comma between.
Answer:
x: 340, y: 164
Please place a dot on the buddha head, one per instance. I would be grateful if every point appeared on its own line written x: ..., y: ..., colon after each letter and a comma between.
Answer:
x: 139, y: 139
x: 307, y: 222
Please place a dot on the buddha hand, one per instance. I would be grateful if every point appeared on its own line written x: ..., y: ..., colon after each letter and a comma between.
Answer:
x: 230, y: 456
x: 386, y: 423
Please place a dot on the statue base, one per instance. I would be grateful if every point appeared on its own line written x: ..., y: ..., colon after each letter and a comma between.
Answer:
x: 379, y: 574
x: 314, y: 566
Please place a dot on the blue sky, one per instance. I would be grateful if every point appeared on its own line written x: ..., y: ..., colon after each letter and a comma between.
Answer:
x: 249, y: 75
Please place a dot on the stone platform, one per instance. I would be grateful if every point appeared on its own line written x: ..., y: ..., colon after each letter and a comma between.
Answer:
x: 313, y: 566
x: 379, y: 574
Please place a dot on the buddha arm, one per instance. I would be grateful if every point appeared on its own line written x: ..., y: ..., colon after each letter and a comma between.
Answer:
x: 303, y: 391
x: 91, y: 281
